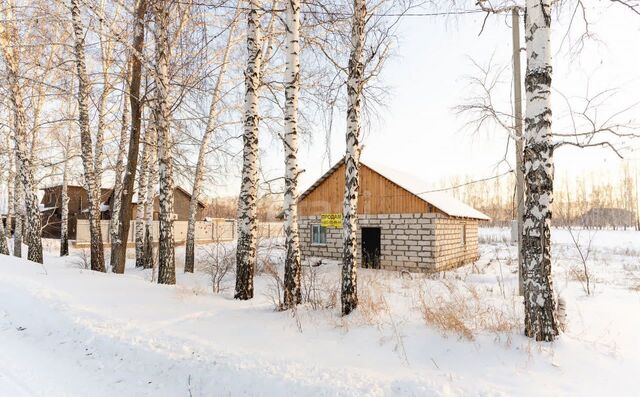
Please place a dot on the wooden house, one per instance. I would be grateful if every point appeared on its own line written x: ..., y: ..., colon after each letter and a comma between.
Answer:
x: 51, y: 208
x: 401, y: 225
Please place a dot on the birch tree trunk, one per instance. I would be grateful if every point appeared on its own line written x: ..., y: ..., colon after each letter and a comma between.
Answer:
x: 119, y: 246
x: 64, y: 204
x: 212, y: 122
x: 149, y: 203
x: 352, y: 161
x: 152, y: 181
x: 166, y: 252
x: 116, y: 202
x: 18, y: 211
x: 4, y: 246
x: 142, y: 201
x: 292, y: 265
x: 106, y: 58
x: 8, y: 38
x: 10, y: 191
x: 539, y: 299
x: 247, y: 203
x: 93, y: 190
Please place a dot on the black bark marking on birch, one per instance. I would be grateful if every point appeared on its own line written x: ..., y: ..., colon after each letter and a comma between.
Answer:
x: 247, y: 201
x: 293, y: 266
x: 119, y: 250
x: 539, y: 299
x: 93, y: 189
x: 166, y: 247
x: 349, y: 290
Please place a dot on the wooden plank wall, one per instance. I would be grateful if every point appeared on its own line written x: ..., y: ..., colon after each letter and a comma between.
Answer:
x: 378, y: 195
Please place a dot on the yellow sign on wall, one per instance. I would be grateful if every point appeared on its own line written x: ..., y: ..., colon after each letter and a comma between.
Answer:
x: 331, y: 221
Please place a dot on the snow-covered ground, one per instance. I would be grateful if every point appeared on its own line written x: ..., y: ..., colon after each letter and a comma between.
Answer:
x: 67, y: 331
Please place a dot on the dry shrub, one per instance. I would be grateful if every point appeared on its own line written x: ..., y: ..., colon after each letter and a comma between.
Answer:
x: 275, y: 284
x: 219, y: 260
x: 371, y: 302
x: 466, y: 312
x: 579, y: 273
x: 83, y: 260
x: 317, y: 291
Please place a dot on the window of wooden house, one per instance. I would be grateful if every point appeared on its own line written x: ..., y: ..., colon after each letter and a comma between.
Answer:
x: 318, y: 235
x: 463, y: 234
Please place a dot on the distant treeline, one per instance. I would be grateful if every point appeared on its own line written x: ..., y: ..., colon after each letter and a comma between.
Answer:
x: 598, y: 200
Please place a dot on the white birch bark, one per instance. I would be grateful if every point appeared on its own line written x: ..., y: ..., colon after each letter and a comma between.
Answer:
x: 118, y: 186
x: 539, y: 299
x: 10, y: 191
x: 4, y: 246
x: 64, y: 204
x: 142, y: 202
x: 349, y: 296
x: 292, y: 265
x: 93, y: 189
x: 106, y: 60
x: 166, y: 251
x: 18, y: 214
x: 150, y: 196
x: 212, y: 122
x: 8, y: 38
x: 118, y: 247
x: 247, y: 203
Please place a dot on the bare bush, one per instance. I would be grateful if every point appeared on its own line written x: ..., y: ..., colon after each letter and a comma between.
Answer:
x: 318, y: 292
x: 371, y: 302
x: 219, y: 261
x: 83, y: 259
x: 584, y: 252
x: 275, y: 286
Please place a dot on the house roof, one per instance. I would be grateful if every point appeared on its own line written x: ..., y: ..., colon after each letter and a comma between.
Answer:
x: 414, y: 185
x: 109, y: 190
x: 134, y: 198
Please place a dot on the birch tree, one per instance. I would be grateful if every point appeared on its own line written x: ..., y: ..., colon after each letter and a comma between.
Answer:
x: 349, y: 296
x: 247, y: 204
x: 64, y: 206
x: 118, y: 186
x: 166, y: 252
x: 4, y: 247
x: 212, y: 122
x: 150, y: 194
x: 118, y: 246
x: 292, y: 264
x: 8, y: 39
x: 86, y: 143
x: 142, y: 202
x: 539, y: 299
x: 18, y: 213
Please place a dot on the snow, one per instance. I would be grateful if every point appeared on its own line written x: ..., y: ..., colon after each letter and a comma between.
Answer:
x: 70, y: 331
x: 439, y: 199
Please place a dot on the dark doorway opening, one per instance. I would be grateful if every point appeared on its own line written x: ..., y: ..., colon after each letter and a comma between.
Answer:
x: 371, y: 247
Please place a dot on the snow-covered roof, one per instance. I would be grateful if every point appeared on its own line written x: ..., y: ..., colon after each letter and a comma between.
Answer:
x: 416, y: 186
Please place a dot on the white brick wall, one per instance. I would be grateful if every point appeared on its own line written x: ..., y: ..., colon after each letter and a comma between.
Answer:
x: 414, y: 242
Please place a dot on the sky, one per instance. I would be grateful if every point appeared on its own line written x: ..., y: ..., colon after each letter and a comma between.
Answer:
x: 419, y: 132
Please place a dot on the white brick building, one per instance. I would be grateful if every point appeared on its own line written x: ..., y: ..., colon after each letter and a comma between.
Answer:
x: 401, y: 225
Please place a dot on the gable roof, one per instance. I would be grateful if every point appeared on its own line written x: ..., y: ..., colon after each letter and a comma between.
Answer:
x: 439, y: 199
x: 134, y: 198
x: 108, y: 192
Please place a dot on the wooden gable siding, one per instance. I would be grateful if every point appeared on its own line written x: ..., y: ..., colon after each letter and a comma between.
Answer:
x: 378, y: 195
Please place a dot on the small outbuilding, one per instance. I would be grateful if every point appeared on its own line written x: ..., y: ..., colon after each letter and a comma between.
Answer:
x: 401, y: 225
